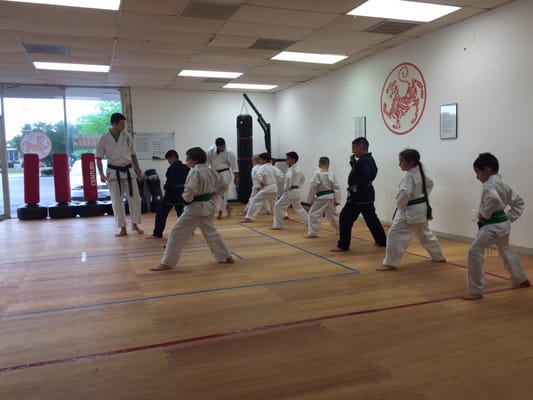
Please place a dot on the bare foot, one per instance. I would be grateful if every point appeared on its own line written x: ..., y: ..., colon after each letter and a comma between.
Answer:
x: 161, y: 267
x: 219, y: 216
x: 386, y: 268
x: 276, y: 229
x: 229, y: 209
x: 337, y: 250
x: 246, y: 221
x: 137, y: 228
x: 154, y: 237
x: 310, y: 236
x: 439, y: 261
x: 524, y: 284
x: 228, y: 260
x: 269, y: 213
x: 123, y: 232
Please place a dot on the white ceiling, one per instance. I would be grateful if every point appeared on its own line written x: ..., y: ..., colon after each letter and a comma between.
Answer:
x: 147, y: 42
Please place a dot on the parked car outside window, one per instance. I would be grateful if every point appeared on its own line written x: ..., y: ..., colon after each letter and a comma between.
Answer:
x: 76, y: 183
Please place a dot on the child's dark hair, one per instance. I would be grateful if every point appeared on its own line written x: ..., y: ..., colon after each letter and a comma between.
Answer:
x: 197, y: 154
x: 219, y: 141
x: 292, y: 155
x: 486, y: 160
x: 265, y: 157
x: 116, y: 118
x: 412, y: 156
x: 172, y: 153
x: 323, y: 161
x: 361, y: 141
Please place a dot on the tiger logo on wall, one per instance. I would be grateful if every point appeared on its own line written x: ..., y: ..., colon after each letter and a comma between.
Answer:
x: 403, y: 98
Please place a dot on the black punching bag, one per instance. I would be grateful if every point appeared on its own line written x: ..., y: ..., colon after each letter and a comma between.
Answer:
x: 244, y: 156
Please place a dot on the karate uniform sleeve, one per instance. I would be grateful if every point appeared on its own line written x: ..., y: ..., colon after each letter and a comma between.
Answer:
x: 100, y: 150
x: 313, y: 187
x: 232, y: 160
x: 336, y: 190
x: 191, y: 186
x: 407, y: 186
x: 490, y: 202
x: 429, y: 184
x: 279, y: 175
x: 516, y: 207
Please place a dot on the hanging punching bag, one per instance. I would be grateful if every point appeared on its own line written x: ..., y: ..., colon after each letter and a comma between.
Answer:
x: 244, y: 156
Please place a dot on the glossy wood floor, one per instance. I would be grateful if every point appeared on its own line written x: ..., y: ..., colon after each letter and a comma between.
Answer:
x: 289, y: 320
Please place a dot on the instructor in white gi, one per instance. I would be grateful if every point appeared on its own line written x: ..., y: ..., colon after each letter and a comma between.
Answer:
x: 223, y: 160
x: 122, y: 173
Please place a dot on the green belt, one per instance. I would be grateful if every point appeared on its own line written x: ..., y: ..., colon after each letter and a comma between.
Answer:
x: 178, y: 186
x: 202, y: 197
x: 496, y: 217
x: 294, y: 187
x: 420, y: 200
x: 324, y: 192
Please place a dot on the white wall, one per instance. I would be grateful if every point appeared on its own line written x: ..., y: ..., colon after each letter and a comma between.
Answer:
x: 484, y: 64
x: 198, y: 118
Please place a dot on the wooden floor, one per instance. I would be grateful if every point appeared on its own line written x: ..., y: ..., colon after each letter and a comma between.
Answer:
x: 289, y: 320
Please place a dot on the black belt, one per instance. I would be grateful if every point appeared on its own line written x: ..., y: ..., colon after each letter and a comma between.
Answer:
x: 125, y: 169
x: 222, y: 170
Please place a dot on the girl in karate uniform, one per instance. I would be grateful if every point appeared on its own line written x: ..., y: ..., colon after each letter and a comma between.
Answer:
x: 412, y: 214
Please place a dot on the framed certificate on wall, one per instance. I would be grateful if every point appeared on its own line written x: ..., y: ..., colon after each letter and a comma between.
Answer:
x: 360, y: 127
x: 448, y: 121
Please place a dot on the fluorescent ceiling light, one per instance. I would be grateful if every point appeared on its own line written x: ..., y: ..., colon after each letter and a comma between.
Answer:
x: 71, y: 67
x: 99, y: 4
x: 209, y: 74
x: 252, y: 86
x: 402, y: 10
x: 315, y: 58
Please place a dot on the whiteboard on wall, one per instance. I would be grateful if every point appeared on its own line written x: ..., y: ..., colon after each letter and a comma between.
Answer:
x: 153, y: 146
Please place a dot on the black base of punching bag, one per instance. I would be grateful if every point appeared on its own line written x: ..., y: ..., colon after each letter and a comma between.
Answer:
x: 63, y: 210
x: 31, y: 211
x: 244, y: 156
x: 91, y: 209
x: 108, y: 207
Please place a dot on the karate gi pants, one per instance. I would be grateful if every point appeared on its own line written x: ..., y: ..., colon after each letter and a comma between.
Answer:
x: 261, y: 200
x: 348, y: 216
x: 290, y: 197
x: 489, y: 235
x: 182, y: 231
x: 117, y: 202
x: 319, y: 207
x: 401, y: 233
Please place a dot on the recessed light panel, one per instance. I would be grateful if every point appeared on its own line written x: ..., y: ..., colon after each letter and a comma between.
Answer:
x: 251, y: 86
x: 98, y: 4
x: 315, y: 58
x: 403, y: 10
x: 209, y: 74
x: 71, y: 67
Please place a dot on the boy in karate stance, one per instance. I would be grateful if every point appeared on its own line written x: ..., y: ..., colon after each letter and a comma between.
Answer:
x: 494, y: 222
x: 324, y: 194
x: 202, y: 182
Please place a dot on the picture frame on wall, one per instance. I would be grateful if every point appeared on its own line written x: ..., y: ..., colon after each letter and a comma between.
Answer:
x: 448, y: 121
x: 360, y: 127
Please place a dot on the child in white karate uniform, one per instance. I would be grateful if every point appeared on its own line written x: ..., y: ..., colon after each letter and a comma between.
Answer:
x: 499, y: 206
x: 294, y: 179
x: 324, y: 194
x: 200, y: 186
x: 255, y: 183
x: 412, y: 214
x: 268, y: 177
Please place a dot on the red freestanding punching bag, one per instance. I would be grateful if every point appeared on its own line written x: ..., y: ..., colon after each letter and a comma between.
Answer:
x: 63, y: 208
x: 91, y: 207
x: 31, y: 179
x: 31, y: 210
x: 61, y: 178
x: 90, y: 183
